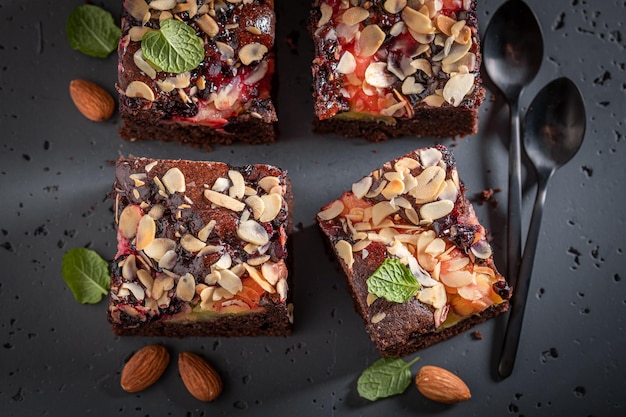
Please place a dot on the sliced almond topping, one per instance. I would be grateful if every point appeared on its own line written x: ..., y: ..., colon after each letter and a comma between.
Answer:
x: 282, y: 288
x: 257, y: 75
x: 372, y: 37
x: 143, y: 65
x: 417, y: 21
x: 412, y: 215
x: 162, y: 284
x: 370, y: 299
x: 135, y: 289
x: 430, y: 157
x: 174, y: 180
x: 381, y: 210
x: 393, y: 189
x: 145, y: 278
x: 456, y: 279
x: 481, y: 249
x: 252, y: 52
x: 429, y: 182
x: 410, y: 86
x: 186, y: 287
x: 327, y: 13
x: 256, y: 204
x: 444, y: 24
x: 456, y: 264
x: 223, y: 200
x: 137, y: 32
x: 436, y: 247
x: 162, y: 4
x: 146, y: 231
x: 221, y: 185
x: 378, y: 317
x: 457, y: 51
x: 138, y: 9
x: 457, y: 87
x: 434, y: 100
x: 225, y: 262
x: 159, y: 247
x: 344, y: 250
x: 129, y: 220
x: 269, y: 182
x: 204, y: 233
x: 191, y: 243
x: 274, y: 271
x: 168, y: 260
x: 434, y: 296
x: 139, y: 89
x: 226, y: 51
x: 376, y: 75
x: 361, y: 187
x: 394, y: 6
x: 129, y: 269
x: 208, y: 25
x: 230, y: 281
x: 253, y: 232
x: 436, y: 210
x: 332, y: 211
x: 258, y: 278
x: 423, y: 65
x: 239, y: 186
x: 347, y: 63
x: 272, y: 204
x: 354, y: 15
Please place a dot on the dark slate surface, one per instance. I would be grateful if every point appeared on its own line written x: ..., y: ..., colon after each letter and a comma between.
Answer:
x: 58, y: 357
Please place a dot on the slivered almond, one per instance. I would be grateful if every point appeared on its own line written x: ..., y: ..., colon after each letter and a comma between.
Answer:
x: 223, y: 200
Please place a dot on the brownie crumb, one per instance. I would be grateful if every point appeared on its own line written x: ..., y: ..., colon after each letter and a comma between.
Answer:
x: 488, y: 196
x: 477, y: 335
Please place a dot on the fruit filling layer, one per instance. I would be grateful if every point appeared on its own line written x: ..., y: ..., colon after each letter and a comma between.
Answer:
x: 388, y: 57
x: 198, y: 61
x: 189, y: 251
x: 410, y: 211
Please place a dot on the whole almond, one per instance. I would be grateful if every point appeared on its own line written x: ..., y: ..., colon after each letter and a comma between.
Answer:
x: 93, y: 101
x: 440, y: 385
x: 144, y: 368
x: 201, y: 380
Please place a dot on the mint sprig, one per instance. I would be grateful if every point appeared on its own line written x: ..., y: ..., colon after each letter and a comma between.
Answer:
x: 92, y: 31
x: 384, y: 378
x: 174, y: 47
x: 86, y: 274
x: 393, y: 281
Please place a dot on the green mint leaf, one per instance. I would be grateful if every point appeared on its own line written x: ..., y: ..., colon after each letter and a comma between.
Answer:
x: 86, y: 274
x: 92, y: 31
x: 394, y: 282
x: 384, y: 378
x: 173, y: 48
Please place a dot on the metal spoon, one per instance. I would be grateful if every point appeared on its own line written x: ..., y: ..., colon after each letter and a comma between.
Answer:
x: 554, y: 130
x: 512, y: 55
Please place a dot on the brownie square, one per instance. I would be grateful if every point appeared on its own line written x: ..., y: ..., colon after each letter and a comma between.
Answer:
x: 411, y: 215
x: 389, y: 68
x: 202, y: 249
x: 226, y: 98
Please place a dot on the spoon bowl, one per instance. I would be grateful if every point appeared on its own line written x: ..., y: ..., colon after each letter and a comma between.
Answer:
x: 554, y: 130
x: 513, y: 48
x: 512, y: 55
x: 554, y: 125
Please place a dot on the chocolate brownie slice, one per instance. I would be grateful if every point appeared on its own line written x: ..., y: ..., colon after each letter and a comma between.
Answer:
x: 202, y: 249
x: 226, y: 97
x: 409, y: 225
x: 389, y: 68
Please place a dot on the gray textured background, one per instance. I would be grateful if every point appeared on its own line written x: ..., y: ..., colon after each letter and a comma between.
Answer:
x: 58, y: 357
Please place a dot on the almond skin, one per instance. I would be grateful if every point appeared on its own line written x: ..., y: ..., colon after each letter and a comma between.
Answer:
x: 144, y: 368
x: 441, y: 385
x: 93, y: 101
x: 201, y: 380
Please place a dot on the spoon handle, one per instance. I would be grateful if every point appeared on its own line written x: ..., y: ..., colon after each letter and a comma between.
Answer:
x: 514, y: 209
x: 520, y: 294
